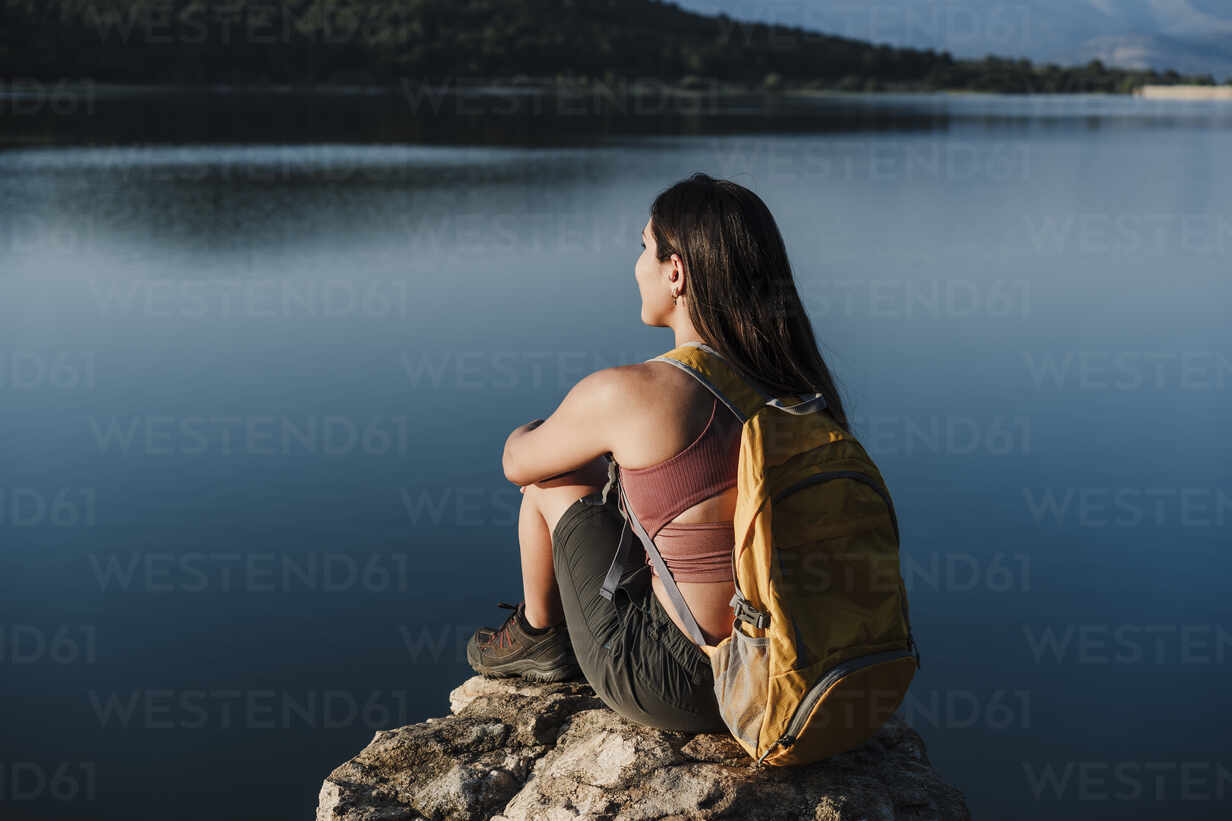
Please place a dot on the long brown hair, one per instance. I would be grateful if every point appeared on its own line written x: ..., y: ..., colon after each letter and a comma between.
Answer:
x: 742, y: 295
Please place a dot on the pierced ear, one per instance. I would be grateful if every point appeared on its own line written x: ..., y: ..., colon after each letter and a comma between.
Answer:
x: 676, y: 259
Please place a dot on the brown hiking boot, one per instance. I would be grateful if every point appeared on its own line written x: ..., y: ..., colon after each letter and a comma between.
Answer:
x: 510, y: 650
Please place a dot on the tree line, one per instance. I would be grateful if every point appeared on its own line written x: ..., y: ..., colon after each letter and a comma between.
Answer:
x: 382, y: 42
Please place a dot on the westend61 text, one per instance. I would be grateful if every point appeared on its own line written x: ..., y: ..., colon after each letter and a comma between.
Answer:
x: 253, y: 298
x: 33, y: 507
x: 254, y: 23
x: 38, y: 781
x: 1129, y: 781
x: 31, y: 644
x: 250, y: 435
x: 191, y: 572
x: 36, y: 370
x: 31, y: 97
x: 1164, y: 644
x: 228, y: 709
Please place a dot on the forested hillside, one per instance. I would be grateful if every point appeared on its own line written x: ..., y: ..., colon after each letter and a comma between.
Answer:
x: 385, y: 41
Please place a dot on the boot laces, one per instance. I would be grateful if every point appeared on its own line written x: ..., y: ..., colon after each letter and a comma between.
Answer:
x: 503, y: 637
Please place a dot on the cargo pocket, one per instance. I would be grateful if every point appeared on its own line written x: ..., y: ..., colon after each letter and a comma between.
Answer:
x: 741, y: 671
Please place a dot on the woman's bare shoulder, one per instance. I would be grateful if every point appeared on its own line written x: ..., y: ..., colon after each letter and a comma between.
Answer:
x: 651, y: 385
x: 660, y: 410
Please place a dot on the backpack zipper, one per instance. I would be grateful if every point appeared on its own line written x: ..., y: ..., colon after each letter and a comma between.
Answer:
x: 842, y: 474
x: 805, y: 707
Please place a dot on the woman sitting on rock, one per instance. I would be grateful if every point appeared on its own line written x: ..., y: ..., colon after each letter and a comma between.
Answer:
x: 714, y: 269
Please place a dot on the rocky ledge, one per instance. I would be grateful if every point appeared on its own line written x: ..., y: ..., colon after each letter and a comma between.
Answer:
x: 514, y: 749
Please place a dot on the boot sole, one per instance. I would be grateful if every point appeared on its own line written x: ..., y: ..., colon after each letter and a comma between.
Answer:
x: 532, y: 669
x: 530, y: 673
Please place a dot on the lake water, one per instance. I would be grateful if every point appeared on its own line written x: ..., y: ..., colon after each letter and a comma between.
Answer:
x: 258, y: 358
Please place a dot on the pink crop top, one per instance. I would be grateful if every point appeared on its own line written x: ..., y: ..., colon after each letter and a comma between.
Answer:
x: 700, y: 551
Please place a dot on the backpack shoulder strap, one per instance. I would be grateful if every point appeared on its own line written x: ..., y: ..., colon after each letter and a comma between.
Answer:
x: 743, y: 398
x: 665, y: 575
x: 719, y: 376
x: 735, y: 390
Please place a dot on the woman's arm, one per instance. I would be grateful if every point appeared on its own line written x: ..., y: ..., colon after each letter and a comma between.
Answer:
x: 529, y: 426
x: 577, y: 432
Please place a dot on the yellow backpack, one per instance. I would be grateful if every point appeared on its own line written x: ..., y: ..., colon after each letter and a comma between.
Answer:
x: 821, y: 651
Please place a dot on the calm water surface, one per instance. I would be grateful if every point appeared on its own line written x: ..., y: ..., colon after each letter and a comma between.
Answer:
x: 255, y: 376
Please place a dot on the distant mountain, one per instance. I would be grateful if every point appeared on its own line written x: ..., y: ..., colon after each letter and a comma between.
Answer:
x: 1191, y: 36
x: 388, y: 42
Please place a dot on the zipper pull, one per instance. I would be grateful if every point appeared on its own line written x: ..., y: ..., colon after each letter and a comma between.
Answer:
x: 784, y: 741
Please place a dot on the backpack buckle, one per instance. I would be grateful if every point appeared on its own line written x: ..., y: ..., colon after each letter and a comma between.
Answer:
x: 746, y: 612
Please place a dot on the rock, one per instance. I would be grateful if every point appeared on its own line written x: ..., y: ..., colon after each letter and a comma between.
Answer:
x: 516, y: 750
